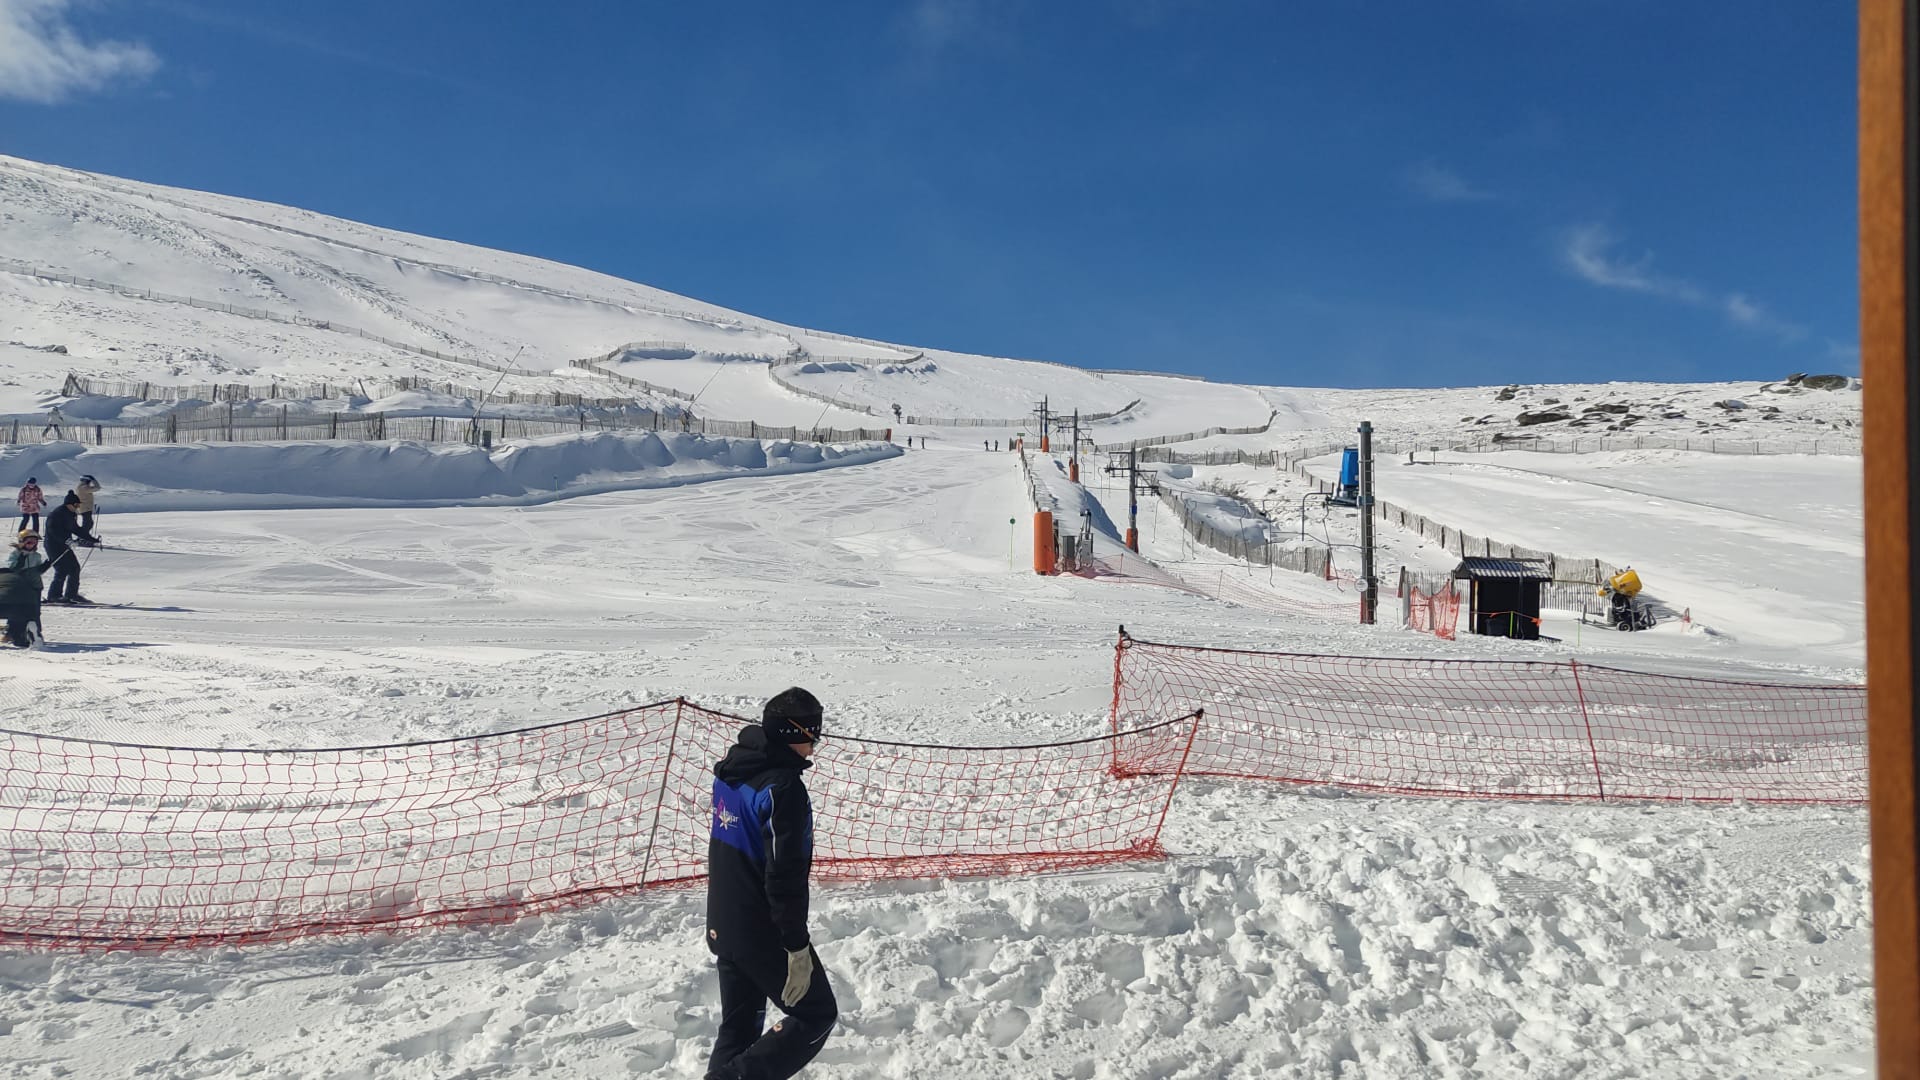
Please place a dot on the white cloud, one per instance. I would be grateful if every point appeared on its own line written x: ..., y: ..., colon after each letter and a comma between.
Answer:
x: 44, y: 60
x: 1589, y: 251
x: 1435, y: 182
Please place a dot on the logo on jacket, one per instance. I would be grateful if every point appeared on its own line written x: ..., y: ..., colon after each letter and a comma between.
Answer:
x: 724, y: 818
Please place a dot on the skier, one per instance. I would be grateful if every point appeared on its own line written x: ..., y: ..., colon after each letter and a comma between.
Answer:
x: 30, y: 501
x: 63, y: 530
x: 757, y: 864
x: 86, y: 489
x: 20, y: 590
x: 54, y: 420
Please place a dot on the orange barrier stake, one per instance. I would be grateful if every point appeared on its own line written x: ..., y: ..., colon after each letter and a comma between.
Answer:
x: 1133, y: 539
x: 1044, y: 557
x: 1073, y: 471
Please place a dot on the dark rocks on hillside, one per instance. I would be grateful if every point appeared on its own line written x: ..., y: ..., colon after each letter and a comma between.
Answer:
x: 1507, y: 394
x: 1730, y: 404
x: 1826, y: 382
x: 1608, y: 407
x: 1545, y: 416
x: 1550, y: 401
x: 1674, y: 414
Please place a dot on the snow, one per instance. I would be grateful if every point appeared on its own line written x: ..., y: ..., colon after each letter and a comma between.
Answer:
x: 349, y: 594
x: 274, y: 475
x: 1762, y: 549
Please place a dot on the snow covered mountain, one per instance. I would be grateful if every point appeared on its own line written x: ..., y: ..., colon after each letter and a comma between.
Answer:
x: 281, y: 295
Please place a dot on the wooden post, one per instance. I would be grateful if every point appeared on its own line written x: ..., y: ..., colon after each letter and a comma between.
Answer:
x: 1890, y: 408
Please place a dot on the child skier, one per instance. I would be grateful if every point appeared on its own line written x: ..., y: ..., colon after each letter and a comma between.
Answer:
x: 30, y: 501
x: 20, y: 590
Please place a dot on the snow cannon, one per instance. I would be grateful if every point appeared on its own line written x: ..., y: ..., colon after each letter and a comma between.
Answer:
x: 1348, y: 493
x: 1625, y: 611
x: 1624, y: 583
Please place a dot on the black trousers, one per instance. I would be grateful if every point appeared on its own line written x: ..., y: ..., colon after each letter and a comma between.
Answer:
x: 66, y: 575
x: 746, y: 985
x: 29, y: 518
x: 17, y: 617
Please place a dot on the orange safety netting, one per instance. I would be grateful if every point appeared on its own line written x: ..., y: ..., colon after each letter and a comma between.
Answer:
x: 109, y: 844
x: 1436, y: 613
x: 1510, y: 729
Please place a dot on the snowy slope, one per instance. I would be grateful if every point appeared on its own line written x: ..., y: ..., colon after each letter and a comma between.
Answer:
x: 1292, y: 933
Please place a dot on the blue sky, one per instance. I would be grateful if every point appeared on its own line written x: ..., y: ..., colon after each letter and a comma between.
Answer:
x: 1321, y: 192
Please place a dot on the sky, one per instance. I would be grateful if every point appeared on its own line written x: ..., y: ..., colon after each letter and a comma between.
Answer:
x: 1311, y: 192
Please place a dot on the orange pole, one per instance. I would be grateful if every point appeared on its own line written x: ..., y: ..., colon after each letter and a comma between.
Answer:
x: 1044, y: 557
x: 1890, y: 404
x: 1133, y: 539
x: 1073, y: 471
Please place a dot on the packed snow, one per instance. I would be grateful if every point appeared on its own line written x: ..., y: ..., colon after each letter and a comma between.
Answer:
x: 350, y: 593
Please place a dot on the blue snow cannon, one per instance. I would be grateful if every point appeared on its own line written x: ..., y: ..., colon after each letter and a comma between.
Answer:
x: 1349, y: 492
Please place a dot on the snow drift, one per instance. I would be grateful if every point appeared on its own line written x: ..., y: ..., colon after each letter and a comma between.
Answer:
x: 289, y: 475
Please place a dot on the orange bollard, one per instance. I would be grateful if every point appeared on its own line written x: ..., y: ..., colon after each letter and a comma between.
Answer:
x: 1046, y: 443
x: 1073, y: 471
x: 1044, y: 557
x: 1133, y: 539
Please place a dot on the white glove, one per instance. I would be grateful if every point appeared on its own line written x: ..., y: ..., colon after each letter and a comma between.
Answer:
x: 799, y: 977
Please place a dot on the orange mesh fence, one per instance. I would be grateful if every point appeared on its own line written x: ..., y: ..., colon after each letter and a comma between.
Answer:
x: 1497, y: 728
x: 1436, y: 613
x: 110, y: 844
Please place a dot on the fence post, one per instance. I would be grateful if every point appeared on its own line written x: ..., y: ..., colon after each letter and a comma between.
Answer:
x: 1580, y: 694
x: 660, y: 798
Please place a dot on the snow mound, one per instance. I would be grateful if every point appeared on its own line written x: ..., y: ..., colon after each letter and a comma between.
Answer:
x: 273, y: 475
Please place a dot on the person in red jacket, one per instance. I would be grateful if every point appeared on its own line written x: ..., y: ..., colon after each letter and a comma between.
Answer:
x: 758, y: 861
x: 31, y: 501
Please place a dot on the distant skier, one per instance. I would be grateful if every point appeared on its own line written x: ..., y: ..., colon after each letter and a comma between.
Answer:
x: 63, y: 531
x: 758, y: 860
x: 983, y: 444
x: 86, y: 489
x: 20, y: 590
x: 54, y: 420
x: 30, y: 502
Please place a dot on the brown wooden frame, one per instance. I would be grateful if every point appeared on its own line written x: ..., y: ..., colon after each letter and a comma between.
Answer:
x: 1890, y: 369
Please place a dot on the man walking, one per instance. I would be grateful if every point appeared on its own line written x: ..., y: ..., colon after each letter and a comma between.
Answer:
x: 757, y: 865
x: 63, y: 531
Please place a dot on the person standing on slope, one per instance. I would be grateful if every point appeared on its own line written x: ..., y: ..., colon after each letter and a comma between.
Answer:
x: 30, y: 501
x: 63, y: 530
x: 54, y: 420
x: 758, y: 860
x: 87, y: 488
x: 20, y: 589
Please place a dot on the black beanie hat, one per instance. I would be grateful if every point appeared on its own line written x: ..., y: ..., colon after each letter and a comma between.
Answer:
x: 792, y: 716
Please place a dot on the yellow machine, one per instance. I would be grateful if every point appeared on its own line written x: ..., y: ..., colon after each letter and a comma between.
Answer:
x: 1625, y: 612
x: 1625, y: 583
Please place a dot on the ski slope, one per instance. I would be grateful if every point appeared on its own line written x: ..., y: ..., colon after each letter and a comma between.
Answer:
x: 375, y: 593
x: 1764, y: 550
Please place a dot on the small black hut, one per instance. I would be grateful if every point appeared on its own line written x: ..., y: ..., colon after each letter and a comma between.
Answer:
x: 1504, y: 595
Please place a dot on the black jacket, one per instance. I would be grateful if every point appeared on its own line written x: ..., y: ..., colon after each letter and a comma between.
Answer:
x: 62, y: 526
x: 761, y: 849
